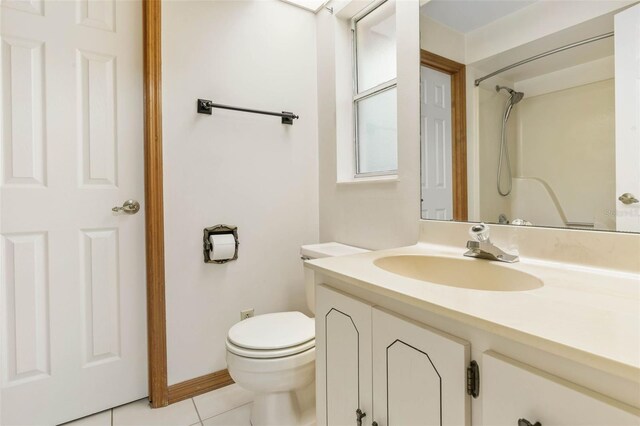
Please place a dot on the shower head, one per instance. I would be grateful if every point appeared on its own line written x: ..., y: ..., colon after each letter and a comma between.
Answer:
x: 515, y: 96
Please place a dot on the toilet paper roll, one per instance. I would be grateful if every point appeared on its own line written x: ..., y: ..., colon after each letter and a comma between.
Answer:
x: 223, y: 246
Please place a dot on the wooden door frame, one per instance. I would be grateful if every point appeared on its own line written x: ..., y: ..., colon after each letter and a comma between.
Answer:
x: 153, y: 206
x: 457, y: 71
x: 160, y: 393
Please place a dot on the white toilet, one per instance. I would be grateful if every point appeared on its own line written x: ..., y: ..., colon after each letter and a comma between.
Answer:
x: 273, y: 355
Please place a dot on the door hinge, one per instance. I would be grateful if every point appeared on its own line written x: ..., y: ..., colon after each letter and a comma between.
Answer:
x: 473, y: 379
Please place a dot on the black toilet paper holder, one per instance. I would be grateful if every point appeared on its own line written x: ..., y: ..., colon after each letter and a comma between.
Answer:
x: 218, y: 230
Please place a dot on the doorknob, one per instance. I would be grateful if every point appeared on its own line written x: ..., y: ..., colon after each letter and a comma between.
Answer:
x: 627, y: 198
x: 129, y: 207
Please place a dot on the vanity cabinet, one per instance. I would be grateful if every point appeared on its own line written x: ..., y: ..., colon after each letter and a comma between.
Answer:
x: 401, y: 372
x: 394, y: 370
x: 512, y: 390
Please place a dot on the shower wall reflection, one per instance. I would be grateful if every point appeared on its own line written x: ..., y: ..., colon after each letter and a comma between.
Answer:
x: 562, y: 155
x: 538, y: 139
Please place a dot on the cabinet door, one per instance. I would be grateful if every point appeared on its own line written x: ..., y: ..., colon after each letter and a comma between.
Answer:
x: 343, y: 358
x: 512, y: 391
x: 419, y: 374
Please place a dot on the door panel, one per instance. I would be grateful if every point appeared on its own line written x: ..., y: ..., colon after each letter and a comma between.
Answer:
x: 343, y: 357
x: 342, y: 360
x: 414, y: 386
x: 627, y: 58
x: 100, y: 286
x: 96, y: 99
x: 72, y: 272
x: 437, y: 161
x: 419, y: 374
x: 26, y: 286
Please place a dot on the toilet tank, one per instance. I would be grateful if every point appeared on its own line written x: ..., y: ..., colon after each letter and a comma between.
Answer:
x: 318, y: 251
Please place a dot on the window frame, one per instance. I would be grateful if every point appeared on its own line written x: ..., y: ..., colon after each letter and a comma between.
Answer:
x: 373, y: 91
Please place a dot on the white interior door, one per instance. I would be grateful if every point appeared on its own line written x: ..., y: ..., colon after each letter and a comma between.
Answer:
x: 437, y: 161
x: 627, y: 58
x: 72, y: 279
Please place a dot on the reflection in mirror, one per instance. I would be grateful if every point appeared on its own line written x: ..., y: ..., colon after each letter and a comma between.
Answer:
x: 518, y: 114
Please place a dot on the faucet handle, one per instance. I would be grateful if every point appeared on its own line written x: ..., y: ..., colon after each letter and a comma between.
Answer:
x: 473, y: 245
x: 480, y: 232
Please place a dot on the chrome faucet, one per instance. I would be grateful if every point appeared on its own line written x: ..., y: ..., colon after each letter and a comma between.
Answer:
x: 482, y: 247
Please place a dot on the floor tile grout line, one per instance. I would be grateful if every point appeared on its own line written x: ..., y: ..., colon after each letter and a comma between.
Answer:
x: 230, y: 409
x: 193, y: 401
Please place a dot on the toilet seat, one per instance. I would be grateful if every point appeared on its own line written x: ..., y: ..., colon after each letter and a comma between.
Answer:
x: 270, y: 353
x: 269, y: 336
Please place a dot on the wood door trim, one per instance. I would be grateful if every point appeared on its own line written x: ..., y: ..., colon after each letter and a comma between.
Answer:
x: 154, y: 213
x: 457, y: 71
x: 199, y: 385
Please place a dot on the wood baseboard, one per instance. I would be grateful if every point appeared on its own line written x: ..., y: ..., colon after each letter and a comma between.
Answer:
x: 199, y: 385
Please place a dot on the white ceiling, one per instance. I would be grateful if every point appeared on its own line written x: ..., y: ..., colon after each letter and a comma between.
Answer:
x: 467, y: 15
x: 310, y: 5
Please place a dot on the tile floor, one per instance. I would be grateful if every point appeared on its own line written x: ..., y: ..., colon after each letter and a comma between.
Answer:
x: 228, y: 406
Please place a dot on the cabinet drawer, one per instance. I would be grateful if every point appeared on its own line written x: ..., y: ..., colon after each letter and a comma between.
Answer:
x: 512, y: 390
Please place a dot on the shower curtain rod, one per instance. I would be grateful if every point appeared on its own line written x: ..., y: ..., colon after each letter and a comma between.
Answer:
x: 542, y: 55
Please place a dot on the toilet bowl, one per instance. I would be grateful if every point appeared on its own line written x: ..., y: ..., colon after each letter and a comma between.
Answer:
x: 273, y: 355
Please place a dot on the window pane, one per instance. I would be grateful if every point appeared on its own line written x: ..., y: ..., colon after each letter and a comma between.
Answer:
x: 377, y: 132
x: 376, y: 47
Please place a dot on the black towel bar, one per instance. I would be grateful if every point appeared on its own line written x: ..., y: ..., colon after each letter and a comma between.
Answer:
x: 205, y: 107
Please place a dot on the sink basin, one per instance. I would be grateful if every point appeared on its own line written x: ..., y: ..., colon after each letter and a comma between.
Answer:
x: 473, y: 274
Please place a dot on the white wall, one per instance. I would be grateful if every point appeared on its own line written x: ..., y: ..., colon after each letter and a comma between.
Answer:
x: 376, y: 214
x: 442, y: 40
x: 235, y: 168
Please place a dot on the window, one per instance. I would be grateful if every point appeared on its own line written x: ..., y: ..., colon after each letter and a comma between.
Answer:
x: 375, y: 97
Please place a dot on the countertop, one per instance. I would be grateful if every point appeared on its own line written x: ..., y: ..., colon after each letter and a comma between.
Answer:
x: 590, y: 315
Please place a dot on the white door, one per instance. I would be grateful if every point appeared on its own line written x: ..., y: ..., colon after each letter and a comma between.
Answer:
x: 72, y: 280
x: 343, y: 358
x: 419, y: 374
x: 437, y: 157
x: 627, y: 58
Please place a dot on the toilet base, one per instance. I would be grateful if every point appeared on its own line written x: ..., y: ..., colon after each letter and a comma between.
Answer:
x: 283, y: 388
x: 285, y: 408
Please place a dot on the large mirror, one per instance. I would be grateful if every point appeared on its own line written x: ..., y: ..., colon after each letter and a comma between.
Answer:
x: 518, y: 113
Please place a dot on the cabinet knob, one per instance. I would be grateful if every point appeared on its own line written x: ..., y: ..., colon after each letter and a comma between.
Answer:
x: 374, y: 424
x: 359, y: 416
x: 525, y: 422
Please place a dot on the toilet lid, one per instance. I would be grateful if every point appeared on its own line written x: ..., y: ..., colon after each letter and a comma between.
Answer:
x: 273, y: 331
